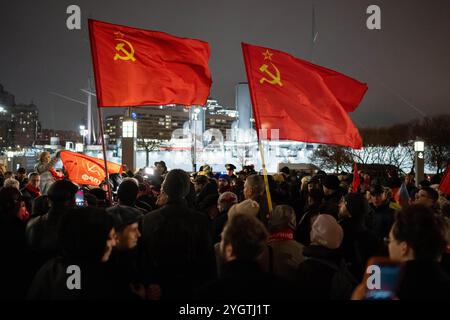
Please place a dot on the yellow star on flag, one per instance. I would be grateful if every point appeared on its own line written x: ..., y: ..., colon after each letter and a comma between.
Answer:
x: 267, y: 55
x: 118, y: 34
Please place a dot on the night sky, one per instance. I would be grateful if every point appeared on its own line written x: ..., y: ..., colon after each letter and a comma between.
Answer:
x: 406, y: 64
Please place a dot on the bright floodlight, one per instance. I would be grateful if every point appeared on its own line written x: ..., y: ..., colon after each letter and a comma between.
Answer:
x: 419, y: 146
x: 129, y: 129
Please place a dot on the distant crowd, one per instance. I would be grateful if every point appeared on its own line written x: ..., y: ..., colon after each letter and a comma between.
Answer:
x: 171, y: 235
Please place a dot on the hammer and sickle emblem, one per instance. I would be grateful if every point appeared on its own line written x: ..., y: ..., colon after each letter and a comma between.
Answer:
x: 276, y: 79
x: 129, y: 54
x: 93, y: 168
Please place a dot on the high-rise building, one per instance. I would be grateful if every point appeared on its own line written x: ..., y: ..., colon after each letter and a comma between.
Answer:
x: 6, y: 102
x: 24, y: 125
x: 19, y: 123
x: 113, y: 128
x: 160, y: 122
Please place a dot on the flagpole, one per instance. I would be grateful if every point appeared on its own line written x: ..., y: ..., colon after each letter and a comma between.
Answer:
x: 100, y: 122
x: 266, y: 179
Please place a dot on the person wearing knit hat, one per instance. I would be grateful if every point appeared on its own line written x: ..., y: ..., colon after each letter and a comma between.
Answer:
x: 176, y: 185
x: 248, y: 206
x: 284, y: 254
x: 282, y: 218
x: 326, y: 232
x: 224, y: 203
x: 223, y: 183
x: 126, y: 223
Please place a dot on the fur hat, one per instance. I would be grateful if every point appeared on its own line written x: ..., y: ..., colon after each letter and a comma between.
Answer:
x: 327, y: 232
x: 245, y: 207
x: 282, y: 217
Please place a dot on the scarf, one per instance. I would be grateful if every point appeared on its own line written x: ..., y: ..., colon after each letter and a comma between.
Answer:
x: 287, y: 234
x: 35, y: 191
x: 55, y: 174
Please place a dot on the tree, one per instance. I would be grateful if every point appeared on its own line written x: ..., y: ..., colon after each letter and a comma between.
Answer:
x: 148, y: 145
x: 332, y: 157
x: 435, y: 131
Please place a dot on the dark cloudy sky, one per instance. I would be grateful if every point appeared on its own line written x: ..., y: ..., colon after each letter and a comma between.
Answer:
x: 406, y: 64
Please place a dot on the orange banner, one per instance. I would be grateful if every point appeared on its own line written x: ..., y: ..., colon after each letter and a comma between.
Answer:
x: 82, y: 169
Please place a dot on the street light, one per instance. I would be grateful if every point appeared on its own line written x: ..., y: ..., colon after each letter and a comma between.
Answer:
x: 194, y: 118
x: 419, y: 148
x: 83, y: 132
x: 129, y: 128
x: 129, y: 134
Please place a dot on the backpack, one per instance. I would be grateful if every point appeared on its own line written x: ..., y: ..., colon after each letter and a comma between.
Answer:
x: 343, y: 283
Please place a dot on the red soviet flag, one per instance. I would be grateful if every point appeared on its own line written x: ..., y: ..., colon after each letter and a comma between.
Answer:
x: 306, y: 102
x: 356, y: 181
x: 135, y: 67
x: 444, y: 186
x: 82, y: 169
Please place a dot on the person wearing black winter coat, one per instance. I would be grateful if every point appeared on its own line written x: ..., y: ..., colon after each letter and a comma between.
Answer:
x: 178, y: 251
x: 359, y: 243
x: 87, y: 238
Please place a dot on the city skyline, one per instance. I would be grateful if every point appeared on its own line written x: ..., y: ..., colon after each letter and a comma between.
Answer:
x: 405, y: 63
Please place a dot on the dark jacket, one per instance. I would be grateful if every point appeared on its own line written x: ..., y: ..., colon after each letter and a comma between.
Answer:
x: 424, y: 280
x: 330, y: 203
x: 29, y: 197
x: 123, y: 266
x: 245, y: 281
x: 358, y: 245
x: 217, y: 226
x: 13, y: 265
x: 263, y: 214
x: 383, y: 218
x: 314, y: 278
x: 50, y: 282
x: 41, y: 236
x: 178, y: 251
x: 208, y: 190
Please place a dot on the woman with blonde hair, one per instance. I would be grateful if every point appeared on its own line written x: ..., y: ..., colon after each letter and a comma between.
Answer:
x: 45, y: 168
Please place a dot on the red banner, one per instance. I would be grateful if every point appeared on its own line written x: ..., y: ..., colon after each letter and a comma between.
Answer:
x: 82, y: 169
x: 136, y: 67
x: 306, y: 102
x: 356, y: 181
x: 444, y: 186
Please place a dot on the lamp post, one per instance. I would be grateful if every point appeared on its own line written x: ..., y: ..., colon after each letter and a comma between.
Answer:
x: 194, y: 117
x: 129, y: 134
x: 83, y: 133
x: 419, y: 148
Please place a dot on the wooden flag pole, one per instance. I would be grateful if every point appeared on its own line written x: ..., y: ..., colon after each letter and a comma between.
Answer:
x: 266, y: 179
x: 100, y: 122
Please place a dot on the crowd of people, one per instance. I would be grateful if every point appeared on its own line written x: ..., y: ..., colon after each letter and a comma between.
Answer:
x: 205, y: 236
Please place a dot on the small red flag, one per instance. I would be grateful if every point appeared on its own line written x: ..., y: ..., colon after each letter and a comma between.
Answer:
x: 135, y: 67
x: 444, y: 186
x: 82, y: 169
x: 306, y: 102
x: 356, y: 181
